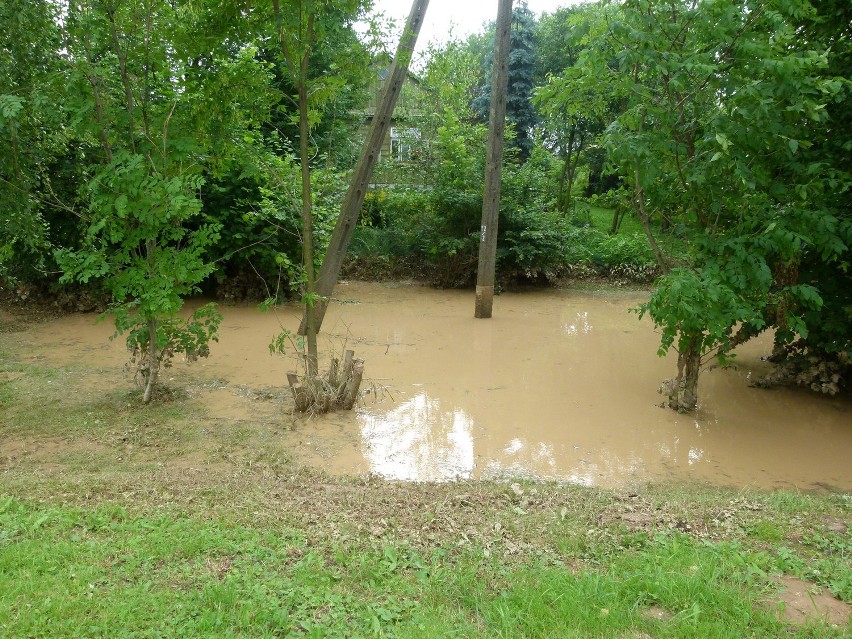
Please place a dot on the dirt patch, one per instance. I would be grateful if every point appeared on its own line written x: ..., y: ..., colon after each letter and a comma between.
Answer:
x: 13, y: 320
x: 800, y: 602
x: 657, y: 614
x: 47, y: 452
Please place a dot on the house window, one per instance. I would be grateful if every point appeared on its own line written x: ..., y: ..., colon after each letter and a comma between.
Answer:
x: 403, y: 142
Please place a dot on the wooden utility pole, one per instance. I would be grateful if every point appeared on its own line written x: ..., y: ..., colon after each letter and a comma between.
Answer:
x: 494, y: 162
x: 350, y: 210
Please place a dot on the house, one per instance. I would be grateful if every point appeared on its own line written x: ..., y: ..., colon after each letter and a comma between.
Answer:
x: 405, y: 137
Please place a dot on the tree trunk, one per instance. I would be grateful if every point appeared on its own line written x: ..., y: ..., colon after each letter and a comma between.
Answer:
x: 639, y: 201
x: 353, y: 383
x: 494, y: 163
x: 339, y: 389
x: 567, y: 174
x: 572, y: 167
x: 617, y: 217
x: 311, y: 363
x: 560, y: 188
x: 683, y: 390
x: 350, y: 210
x: 153, y: 361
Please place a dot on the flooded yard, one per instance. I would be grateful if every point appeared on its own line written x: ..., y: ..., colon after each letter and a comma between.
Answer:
x: 559, y: 384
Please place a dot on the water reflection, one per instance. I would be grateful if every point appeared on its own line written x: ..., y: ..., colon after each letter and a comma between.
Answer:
x: 419, y: 441
x: 426, y: 438
x: 695, y: 456
x: 580, y: 325
x: 558, y: 385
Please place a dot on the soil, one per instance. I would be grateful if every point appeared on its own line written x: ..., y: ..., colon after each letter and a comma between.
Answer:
x: 800, y: 602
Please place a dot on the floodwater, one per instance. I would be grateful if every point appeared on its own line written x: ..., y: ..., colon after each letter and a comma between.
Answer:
x: 558, y: 385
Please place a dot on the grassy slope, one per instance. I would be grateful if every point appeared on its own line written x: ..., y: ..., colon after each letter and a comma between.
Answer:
x: 136, y: 524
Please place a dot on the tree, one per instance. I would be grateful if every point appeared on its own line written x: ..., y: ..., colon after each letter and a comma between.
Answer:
x: 574, y: 105
x: 726, y: 104
x: 522, y: 63
x: 153, y: 127
x: 31, y: 132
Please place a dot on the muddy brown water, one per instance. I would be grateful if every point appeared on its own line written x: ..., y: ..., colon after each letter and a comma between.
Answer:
x: 558, y: 385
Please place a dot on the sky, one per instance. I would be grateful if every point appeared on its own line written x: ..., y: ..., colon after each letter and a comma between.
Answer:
x: 462, y: 16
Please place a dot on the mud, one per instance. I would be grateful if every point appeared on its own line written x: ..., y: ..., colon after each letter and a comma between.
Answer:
x: 558, y: 385
x: 800, y: 602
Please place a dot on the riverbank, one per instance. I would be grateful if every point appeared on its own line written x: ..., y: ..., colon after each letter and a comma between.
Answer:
x: 187, y: 519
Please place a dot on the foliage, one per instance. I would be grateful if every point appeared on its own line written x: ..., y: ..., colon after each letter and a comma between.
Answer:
x: 190, y: 337
x: 522, y: 62
x: 574, y: 106
x: 152, y: 131
x: 31, y: 134
x: 725, y: 107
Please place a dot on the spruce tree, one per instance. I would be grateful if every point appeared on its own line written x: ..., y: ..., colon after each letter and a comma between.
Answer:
x: 519, y: 108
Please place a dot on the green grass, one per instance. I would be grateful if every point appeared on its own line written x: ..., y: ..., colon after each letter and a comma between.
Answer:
x: 105, y: 571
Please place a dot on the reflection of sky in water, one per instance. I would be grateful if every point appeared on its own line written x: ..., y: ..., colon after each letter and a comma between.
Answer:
x: 419, y: 441
x: 423, y: 439
x: 695, y: 455
x: 579, y: 326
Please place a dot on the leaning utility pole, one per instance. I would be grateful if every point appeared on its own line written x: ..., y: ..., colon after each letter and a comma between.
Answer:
x: 494, y: 162
x: 350, y: 210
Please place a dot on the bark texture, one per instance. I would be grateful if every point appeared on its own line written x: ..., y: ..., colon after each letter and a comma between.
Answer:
x: 494, y: 163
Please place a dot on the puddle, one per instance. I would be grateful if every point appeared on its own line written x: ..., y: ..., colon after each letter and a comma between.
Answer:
x: 558, y: 385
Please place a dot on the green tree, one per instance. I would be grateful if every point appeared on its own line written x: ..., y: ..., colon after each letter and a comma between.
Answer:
x: 31, y: 133
x: 575, y: 106
x: 135, y: 94
x: 304, y: 29
x: 522, y: 66
x: 727, y: 103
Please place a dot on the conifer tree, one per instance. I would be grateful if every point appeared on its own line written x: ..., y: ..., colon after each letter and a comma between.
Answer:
x: 519, y: 107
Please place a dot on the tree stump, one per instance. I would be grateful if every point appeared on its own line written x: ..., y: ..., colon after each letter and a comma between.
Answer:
x: 338, y: 389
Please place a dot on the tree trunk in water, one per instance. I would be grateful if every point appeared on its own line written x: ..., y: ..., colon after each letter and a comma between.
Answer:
x: 494, y: 164
x: 353, y: 383
x: 339, y: 389
x: 153, y: 361
x: 683, y: 390
x: 350, y: 210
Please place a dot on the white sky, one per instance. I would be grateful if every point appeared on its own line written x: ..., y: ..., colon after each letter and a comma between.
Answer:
x: 462, y: 16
